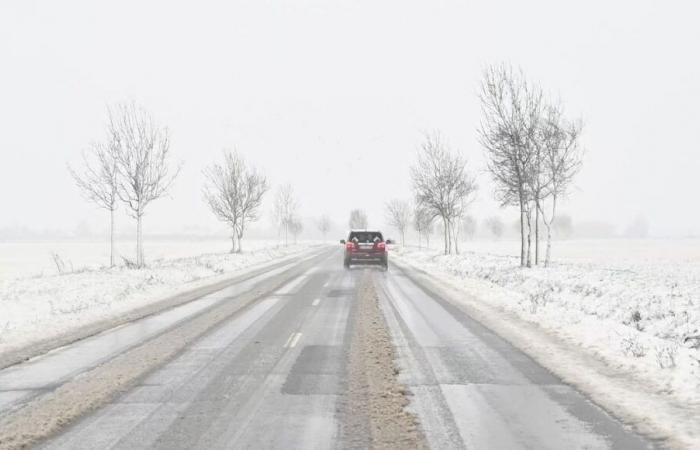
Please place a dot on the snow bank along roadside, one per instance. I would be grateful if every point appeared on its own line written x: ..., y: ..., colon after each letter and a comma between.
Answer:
x: 47, y: 414
x: 619, y: 334
x: 38, y: 309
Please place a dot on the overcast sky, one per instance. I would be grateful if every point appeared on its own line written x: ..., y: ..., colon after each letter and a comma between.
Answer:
x: 333, y: 97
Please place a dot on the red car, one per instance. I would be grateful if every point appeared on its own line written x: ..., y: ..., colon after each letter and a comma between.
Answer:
x: 366, y: 247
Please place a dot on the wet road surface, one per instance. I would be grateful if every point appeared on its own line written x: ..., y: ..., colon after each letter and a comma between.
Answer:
x: 274, y: 376
x: 473, y: 389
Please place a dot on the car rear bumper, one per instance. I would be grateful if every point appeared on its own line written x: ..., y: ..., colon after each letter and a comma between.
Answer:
x: 366, y: 259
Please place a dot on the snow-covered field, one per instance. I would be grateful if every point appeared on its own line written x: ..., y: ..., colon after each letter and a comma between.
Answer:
x: 20, y: 259
x: 635, y: 305
x: 47, y: 304
x: 604, y: 252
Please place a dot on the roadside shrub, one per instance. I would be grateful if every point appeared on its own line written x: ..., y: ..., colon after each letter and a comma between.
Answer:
x: 61, y: 265
x: 630, y: 346
x: 666, y: 356
x: 129, y: 263
x: 539, y: 298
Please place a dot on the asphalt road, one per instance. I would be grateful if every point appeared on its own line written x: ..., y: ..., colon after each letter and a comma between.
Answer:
x: 274, y: 375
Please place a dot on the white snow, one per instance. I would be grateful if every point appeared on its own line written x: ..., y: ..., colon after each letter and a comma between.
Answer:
x: 39, y: 307
x: 34, y: 258
x: 631, y: 305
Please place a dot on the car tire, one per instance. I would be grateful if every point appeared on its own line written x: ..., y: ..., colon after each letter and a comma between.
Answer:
x: 346, y: 264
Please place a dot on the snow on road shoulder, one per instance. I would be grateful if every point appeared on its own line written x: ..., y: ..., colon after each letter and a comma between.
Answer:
x: 637, y: 320
x: 34, y: 309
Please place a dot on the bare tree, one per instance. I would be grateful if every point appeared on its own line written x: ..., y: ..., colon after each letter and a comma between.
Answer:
x: 495, y: 226
x: 98, y: 183
x: 285, y: 209
x: 398, y: 214
x: 296, y: 227
x: 234, y: 193
x: 324, y: 225
x: 358, y: 219
x: 142, y: 150
x: 423, y: 224
x: 443, y: 186
x: 561, y: 157
x: 511, y: 111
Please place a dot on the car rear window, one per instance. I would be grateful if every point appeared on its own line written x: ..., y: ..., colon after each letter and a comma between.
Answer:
x: 365, y: 237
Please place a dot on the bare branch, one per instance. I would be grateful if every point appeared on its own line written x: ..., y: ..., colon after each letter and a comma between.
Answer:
x: 398, y: 214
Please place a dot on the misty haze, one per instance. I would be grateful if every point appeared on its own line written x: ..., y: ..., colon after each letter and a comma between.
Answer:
x: 349, y: 225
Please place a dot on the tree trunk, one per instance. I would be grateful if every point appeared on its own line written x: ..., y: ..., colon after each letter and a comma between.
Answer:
x: 549, y: 246
x: 444, y: 233
x: 139, y: 241
x: 548, y: 254
x: 522, y: 234
x: 233, y: 241
x: 239, y: 233
x: 529, y: 238
x: 449, y: 237
x: 537, y: 231
x: 111, y: 238
x: 455, y: 237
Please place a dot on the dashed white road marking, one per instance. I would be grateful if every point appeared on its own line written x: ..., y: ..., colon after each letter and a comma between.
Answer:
x: 316, y: 302
x: 295, y: 339
x: 292, y: 340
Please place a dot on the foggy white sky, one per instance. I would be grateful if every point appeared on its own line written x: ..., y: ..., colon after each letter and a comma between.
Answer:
x: 334, y: 96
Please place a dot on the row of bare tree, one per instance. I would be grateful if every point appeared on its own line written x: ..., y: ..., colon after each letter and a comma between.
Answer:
x: 495, y: 227
x: 443, y: 188
x: 402, y: 215
x: 234, y: 191
x: 532, y: 149
x: 132, y: 165
x: 533, y: 155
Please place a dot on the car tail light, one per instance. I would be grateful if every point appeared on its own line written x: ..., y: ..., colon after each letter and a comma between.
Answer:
x: 349, y: 246
x: 381, y: 246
